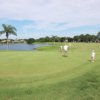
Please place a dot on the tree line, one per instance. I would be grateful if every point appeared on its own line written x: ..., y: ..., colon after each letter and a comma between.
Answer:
x: 77, y: 38
x: 8, y: 30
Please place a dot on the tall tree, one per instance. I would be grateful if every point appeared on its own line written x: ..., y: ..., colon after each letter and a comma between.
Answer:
x: 98, y: 36
x: 8, y: 30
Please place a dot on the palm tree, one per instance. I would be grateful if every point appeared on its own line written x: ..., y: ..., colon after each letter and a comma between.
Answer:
x: 8, y: 30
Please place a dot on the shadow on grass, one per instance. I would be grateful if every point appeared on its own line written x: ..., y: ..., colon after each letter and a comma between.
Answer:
x: 65, y: 55
x: 89, y: 60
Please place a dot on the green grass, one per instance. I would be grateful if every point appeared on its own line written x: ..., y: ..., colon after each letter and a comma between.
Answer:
x: 46, y: 75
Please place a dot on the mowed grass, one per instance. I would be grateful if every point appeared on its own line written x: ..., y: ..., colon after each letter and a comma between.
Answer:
x: 46, y: 75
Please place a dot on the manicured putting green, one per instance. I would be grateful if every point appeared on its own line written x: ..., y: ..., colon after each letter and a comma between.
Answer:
x: 47, y: 75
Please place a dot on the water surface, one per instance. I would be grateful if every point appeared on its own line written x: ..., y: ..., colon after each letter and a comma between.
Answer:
x: 21, y: 46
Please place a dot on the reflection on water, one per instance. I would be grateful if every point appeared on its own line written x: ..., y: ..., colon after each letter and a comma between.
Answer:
x: 21, y: 46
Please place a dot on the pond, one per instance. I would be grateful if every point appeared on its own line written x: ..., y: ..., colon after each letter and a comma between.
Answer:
x: 21, y: 46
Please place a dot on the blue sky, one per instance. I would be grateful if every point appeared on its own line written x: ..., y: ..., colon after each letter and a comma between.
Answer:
x: 39, y: 18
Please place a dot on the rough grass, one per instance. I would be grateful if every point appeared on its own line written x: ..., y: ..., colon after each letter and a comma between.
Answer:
x: 46, y: 75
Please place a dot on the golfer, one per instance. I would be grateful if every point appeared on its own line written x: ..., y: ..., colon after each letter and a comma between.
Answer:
x: 93, y: 56
x: 65, y: 49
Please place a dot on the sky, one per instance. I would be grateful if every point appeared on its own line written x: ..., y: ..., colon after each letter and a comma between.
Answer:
x: 40, y: 18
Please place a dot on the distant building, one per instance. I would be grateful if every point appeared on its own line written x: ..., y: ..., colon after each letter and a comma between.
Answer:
x: 5, y: 41
x: 12, y: 41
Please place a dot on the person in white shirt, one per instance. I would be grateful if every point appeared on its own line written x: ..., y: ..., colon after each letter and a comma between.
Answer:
x: 93, y: 56
x: 65, y: 49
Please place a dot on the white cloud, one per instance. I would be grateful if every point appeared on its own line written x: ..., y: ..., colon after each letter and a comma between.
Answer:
x: 74, y: 12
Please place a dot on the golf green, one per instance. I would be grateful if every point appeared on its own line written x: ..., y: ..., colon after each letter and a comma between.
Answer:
x: 45, y: 74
